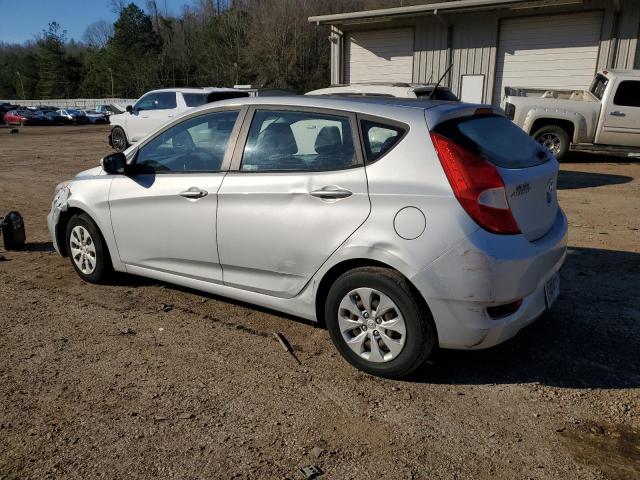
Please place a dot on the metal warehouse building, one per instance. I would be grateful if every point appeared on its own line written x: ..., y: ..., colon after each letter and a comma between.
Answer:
x: 492, y: 44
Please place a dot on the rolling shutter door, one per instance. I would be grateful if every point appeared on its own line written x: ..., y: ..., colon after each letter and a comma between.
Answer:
x: 553, y: 51
x: 379, y: 56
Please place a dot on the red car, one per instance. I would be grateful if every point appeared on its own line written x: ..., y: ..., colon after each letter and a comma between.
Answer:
x: 20, y: 117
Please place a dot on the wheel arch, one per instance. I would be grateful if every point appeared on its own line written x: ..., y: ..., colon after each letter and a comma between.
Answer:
x: 333, y: 273
x: 61, y: 229
x: 567, y: 125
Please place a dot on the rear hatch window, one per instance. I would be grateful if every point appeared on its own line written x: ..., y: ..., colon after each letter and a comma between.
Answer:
x: 528, y: 170
x: 500, y: 141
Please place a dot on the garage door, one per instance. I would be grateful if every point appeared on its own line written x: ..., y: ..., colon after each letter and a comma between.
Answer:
x: 554, y: 51
x: 379, y: 56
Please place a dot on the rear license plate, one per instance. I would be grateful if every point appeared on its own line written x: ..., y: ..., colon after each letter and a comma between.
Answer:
x: 552, y: 289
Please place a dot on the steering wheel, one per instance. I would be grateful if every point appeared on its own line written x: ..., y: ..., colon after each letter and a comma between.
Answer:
x: 201, y: 159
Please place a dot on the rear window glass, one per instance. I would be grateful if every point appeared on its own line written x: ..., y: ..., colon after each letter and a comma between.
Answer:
x: 497, y: 139
x: 598, y: 86
x: 379, y: 138
x: 628, y: 94
x: 195, y: 99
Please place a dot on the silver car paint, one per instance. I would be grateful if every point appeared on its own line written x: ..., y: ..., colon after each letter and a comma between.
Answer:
x: 458, y: 267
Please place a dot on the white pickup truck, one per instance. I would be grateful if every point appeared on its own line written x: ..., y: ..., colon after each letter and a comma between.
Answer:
x: 605, y: 118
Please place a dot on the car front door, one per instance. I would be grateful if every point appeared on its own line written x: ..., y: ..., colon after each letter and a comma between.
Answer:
x: 621, y: 122
x: 163, y: 212
x: 296, y: 191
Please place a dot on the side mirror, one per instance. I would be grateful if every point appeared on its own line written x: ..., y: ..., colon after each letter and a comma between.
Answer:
x: 129, y: 109
x: 114, y: 164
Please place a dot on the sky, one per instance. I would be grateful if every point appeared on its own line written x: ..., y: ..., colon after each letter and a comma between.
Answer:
x: 21, y: 20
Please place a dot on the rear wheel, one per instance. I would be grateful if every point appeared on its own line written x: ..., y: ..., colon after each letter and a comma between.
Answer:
x: 87, y: 250
x: 553, y: 138
x: 378, y: 322
x: 119, y: 139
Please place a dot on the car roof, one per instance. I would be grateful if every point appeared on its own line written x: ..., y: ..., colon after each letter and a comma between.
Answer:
x: 196, y: 90
x: 384, y: 107
x: 379, y: 88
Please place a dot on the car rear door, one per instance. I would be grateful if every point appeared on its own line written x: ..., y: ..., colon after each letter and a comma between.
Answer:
x: 296, y: 191
x: 621, y: 121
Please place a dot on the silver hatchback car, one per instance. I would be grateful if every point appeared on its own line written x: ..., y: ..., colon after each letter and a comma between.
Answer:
x: 401, y: 225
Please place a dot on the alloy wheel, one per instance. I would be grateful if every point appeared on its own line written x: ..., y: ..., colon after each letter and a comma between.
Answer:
x: 83, y: 249
x: 372, y: 325
x: 551, y: 141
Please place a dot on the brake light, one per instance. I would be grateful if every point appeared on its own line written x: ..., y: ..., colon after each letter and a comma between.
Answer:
x: 477, y: 185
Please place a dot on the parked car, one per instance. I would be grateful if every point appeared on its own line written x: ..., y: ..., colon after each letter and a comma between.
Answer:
x: 399, y: 90
x: 108, y: 110
x: 73, y: 116
x: 55, y: 117
x: 157, y: 107
x: 96, y: 117
x: 6, y: 107
x: 605, y: 118
x: 402, y: 225
x: 21, y: 117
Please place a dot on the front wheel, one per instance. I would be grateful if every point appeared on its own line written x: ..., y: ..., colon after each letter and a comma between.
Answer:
x: 553, y: 138
x: 119, y: 139
x: 87, y: 250
x: 378, y: 322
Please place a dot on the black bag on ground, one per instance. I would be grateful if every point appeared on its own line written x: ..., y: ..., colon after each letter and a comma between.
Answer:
x: 12, y: 228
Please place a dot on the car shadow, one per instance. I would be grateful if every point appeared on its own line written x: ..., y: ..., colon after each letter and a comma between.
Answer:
x: 572, y: 180
x: 37, y: 247
x: 589, y: 339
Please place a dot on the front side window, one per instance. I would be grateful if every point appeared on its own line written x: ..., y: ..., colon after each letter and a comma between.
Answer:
x: 147, y: 102
x: 195, y: 145
x: 379, y: 138
x: 298, y: 141
x: 628, y: 94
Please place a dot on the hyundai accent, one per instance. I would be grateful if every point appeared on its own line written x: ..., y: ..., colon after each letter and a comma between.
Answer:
x: 401, y: 225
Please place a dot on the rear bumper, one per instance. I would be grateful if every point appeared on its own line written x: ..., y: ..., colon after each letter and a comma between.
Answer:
x: 485, y: 270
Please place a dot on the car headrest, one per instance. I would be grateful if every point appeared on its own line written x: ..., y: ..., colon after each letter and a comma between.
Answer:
x: 328, y: 140
x: 277, y: 139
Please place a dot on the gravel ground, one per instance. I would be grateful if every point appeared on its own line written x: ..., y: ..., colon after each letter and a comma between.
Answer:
x: 99, y: 382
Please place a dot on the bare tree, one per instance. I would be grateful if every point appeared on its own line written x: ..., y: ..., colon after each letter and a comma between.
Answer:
x: 98, y: 34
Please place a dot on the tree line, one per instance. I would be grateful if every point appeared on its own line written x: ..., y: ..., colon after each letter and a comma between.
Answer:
x: 265, y: 43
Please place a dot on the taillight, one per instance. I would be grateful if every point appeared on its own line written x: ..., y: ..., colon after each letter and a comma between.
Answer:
x: 477, y: 185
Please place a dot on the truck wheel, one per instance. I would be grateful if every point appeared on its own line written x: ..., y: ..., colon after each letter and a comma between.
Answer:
x: 119, y: 139
x: 553, y: 138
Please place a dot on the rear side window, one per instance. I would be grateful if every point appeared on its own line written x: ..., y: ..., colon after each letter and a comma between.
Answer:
x: 379, y: 138
x: 497, y: 139
x: 288, y: 141
x: 195, y: 99
x: 628, y: 94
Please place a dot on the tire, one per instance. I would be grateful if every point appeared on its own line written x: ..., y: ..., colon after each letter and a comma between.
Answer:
x: 87, y: 240
x: 409, y: 348
x: 119, y: 139
x: 554, y: 138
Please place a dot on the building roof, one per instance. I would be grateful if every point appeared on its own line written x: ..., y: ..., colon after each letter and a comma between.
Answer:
x: 443, y: 6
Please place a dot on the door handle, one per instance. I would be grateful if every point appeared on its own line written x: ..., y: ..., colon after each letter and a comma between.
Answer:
x: 194, y: 192
x: 616, y: 113
x: 331, y: 192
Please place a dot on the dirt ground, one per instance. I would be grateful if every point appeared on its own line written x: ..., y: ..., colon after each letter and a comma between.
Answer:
x: 99, y: 382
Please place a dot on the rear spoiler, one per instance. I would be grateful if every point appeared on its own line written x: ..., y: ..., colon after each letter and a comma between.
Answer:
x: 449, y: 110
